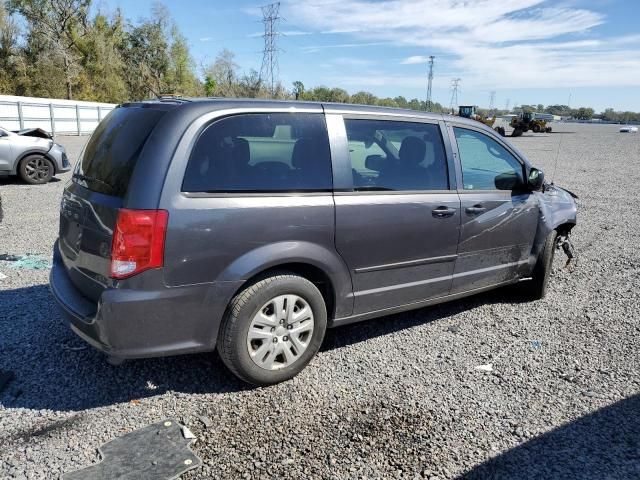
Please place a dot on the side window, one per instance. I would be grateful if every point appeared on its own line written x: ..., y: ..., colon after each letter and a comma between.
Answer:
x: 395, y: 155
x: 486, y: 165
x: 276, y: 152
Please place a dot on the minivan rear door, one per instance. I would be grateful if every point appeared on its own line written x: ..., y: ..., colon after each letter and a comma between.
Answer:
x: 397, y: 217
x: 99, y: 186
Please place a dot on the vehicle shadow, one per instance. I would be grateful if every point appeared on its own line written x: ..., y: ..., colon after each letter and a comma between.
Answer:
x: 604, y: 444
x: 56, y: 370
x: 15, y: 180
x: 358, y: 332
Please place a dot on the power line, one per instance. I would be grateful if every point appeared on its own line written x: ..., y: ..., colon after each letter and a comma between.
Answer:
x: 269, y: 68
x: 429, y: 83
x: 455, y: 85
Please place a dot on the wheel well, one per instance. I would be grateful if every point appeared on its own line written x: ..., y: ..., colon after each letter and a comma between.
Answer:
x: 312, y: 273
x: 565, y: 228
x: 42, y: 154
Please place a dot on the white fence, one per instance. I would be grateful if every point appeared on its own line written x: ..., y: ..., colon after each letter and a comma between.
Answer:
x: 52, y: 115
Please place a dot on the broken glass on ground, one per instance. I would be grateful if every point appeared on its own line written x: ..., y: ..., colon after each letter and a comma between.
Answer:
x: 29, y: 261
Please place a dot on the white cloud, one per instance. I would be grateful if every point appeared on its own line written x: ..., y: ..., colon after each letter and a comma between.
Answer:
x: 497, y: 44
x: 415, y: 59
x: 295, y: 33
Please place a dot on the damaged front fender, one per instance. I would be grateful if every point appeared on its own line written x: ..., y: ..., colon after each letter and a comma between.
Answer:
x: 558, y: 211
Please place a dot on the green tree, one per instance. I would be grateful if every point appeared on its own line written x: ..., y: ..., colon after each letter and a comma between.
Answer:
x: 363, y: 98
x: 146, y: 56
x: 209, y: 86
x: 102, y: 76
x: 8, y: 50
x: 298, y: 89
x: 59, y: 24
x: 181, y: 78
x: 338, y: 95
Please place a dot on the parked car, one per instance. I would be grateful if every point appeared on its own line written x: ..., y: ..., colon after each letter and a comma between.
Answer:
x: 252, y: 226
x: 31, y: 156
x: 628, y: 129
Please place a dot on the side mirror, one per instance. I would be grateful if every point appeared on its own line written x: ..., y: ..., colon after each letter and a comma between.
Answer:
x: 536, y: 179
x: 508, y: 181
x: 374, y: 162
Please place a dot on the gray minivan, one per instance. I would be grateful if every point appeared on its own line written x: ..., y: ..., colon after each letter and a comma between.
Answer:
x: 252, y: 226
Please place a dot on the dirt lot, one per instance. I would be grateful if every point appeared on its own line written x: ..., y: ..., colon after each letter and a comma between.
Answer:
x: 397, y: 397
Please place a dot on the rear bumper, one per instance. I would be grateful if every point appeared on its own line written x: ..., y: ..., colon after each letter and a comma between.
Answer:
x: 128, y: 323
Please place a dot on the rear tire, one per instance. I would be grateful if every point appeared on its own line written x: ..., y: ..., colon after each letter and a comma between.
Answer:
x: 516, y: 132
x: 36, y: 169
x: 536, y: 128
x: 272, y: 329
x: 536, y: 289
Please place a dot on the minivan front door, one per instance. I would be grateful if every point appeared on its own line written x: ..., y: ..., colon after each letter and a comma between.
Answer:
x: 499, y: 217
x: 397, y: 223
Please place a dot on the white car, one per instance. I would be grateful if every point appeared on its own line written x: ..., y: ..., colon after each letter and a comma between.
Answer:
x: 628, y: 129
x: 31, y: 154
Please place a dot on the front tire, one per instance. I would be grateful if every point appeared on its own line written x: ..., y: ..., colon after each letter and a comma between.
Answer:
x: 272, y: 329
x: 537, y: 287
x: 36, y: 169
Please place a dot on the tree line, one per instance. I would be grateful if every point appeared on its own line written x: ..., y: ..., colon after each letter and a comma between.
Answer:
x: 60, y: 49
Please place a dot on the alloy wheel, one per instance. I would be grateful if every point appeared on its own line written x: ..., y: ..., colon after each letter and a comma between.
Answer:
x: 37, y: 168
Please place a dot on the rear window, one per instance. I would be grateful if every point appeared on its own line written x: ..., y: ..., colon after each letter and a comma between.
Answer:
x: 276, y: 152
x: 112, y: 151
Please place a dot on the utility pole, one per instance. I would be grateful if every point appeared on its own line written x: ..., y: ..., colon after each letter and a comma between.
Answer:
x: 455, y: 85
x: 429, y: 83
x: 492, y: 99
x: 269, y: 68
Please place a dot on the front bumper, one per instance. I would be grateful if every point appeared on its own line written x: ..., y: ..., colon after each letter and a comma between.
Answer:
x: 128, y: 323
x: 59, y: 155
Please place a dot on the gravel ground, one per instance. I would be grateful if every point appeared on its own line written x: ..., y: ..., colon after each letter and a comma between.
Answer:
x: 396, y: 397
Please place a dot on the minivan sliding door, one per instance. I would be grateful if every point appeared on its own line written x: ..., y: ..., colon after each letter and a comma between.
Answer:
x: 397, y: 219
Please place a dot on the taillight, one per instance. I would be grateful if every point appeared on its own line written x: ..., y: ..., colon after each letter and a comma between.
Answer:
x: 138, y: 241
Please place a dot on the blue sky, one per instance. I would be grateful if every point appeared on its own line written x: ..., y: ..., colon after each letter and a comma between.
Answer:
x: 527, y: 51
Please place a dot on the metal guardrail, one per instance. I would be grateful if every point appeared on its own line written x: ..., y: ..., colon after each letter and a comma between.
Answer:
x: 97, y: 114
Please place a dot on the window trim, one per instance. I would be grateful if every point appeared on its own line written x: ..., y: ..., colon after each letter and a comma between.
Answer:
x: 490, y: 134
x: 253, y: 193
x: 347, y: 187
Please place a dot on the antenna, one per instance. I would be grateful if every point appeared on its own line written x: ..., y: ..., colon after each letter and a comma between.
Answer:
x: 455, y: 85
x: 555, y: 163
x: 429, y: 83
x: 269, y: 68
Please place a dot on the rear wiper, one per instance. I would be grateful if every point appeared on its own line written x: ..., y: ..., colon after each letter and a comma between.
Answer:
x: 87, y: 178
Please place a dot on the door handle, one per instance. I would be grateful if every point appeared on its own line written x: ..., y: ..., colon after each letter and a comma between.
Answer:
x: 475, y: 210
x: 443, y: 212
